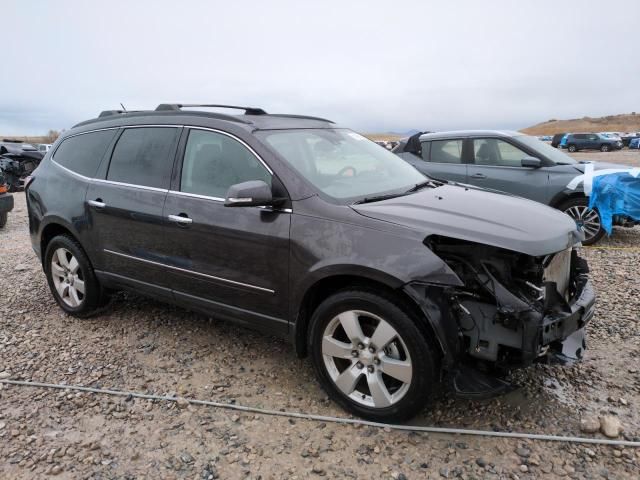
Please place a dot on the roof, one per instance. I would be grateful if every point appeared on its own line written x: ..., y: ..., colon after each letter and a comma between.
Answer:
x: 253, y: 118
x: 469, y: 133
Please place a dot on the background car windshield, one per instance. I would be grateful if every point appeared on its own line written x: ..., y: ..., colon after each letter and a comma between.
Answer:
x: 343, y: 164
x: 547, y: 150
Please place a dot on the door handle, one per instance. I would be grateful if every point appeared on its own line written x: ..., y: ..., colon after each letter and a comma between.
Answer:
x: 97, y: 203
x: 182, y: 218
x: 478, y: 175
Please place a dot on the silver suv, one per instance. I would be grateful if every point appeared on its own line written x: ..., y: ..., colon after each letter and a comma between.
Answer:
x: 514, y: 163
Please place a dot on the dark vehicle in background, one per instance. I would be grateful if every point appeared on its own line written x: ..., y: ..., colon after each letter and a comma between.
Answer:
x: 514, y: 163
x: 556, y: 139
x: 17, y: 161
x: 627, y: 139
x: 592, y: 141
x: 388, y: 280
x: 6, y: 201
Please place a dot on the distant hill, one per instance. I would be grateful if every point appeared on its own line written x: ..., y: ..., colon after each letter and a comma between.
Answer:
x: 626, y: 122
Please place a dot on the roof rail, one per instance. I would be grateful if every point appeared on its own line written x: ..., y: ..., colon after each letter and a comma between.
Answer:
x: 108, y: 113
x: 179, y: 106
x: 304, y: 117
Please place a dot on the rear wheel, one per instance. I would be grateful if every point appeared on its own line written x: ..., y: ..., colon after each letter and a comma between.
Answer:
x: 604, y: 147
x: 586, y: 218
x: 572, y: 148
x: 71, y: 278
x: 370, y: 356
x: 3, y: 219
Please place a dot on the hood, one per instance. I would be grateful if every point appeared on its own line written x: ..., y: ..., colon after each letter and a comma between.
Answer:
x: 600, y: 166
x: 479, y: 216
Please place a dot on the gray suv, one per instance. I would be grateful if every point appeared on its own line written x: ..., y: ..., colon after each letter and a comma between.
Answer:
x: 592, y: 141
x: 390, y: 282
x: 514, y: 163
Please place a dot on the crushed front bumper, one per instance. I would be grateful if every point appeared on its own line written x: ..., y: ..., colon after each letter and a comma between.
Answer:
x: 565, y: 333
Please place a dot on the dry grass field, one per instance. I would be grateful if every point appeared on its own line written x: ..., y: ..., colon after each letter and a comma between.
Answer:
x: 611, y: 123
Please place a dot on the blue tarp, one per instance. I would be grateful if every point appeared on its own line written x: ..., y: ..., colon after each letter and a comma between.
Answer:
x: 615, y: 194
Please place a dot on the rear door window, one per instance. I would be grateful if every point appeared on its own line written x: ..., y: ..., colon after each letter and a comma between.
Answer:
x: 144, y: 156
x: 446, y: 151
x: 214, y: 161
x: 82, y: 153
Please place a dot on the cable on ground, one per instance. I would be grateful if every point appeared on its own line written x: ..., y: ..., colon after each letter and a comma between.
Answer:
x: 324, y: 418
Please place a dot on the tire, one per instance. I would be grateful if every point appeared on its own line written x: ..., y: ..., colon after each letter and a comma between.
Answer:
x: 572, y: 148
x: 351, y: 370
x: 3, y: 218
x: 578, y: 209
x: 64, y: 277
x: 604, y: 147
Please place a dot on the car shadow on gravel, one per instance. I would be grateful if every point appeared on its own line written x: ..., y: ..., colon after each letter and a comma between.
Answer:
x: 188, y: 354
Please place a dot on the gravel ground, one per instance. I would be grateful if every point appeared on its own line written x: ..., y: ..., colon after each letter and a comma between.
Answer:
x: 141, y: 345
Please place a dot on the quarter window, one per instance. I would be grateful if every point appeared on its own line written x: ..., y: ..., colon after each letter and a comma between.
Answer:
x: 446, y: 151
x: 144, y: 156
x: 213, y: 162
x: 82, y: 154
x: 491, y: 151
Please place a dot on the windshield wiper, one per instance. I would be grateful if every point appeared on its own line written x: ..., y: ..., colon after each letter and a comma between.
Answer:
x: 378, y: 198
x: 421, y: 185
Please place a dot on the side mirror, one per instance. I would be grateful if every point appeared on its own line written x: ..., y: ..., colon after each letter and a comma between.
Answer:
x: 531, y: 162
x: 255, y: 193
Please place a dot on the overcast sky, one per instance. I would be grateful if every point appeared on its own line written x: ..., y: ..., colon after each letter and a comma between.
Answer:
x: 375, y: 66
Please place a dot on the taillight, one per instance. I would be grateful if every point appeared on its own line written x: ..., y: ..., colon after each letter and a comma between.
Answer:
x: 28, y: 180
x: 3, y: 189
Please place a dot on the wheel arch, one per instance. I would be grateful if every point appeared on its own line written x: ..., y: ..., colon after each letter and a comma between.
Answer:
x: 52, y: 228
x: 327, y: 285
x: 561, y: 197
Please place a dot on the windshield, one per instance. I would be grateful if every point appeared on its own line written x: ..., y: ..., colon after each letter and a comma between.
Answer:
x: 343, y: 164
x: 547, y: 150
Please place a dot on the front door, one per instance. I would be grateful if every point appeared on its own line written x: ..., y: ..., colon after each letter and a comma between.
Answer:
x: 125, y: 206
x: 498, y: 166
x: 232, y: 261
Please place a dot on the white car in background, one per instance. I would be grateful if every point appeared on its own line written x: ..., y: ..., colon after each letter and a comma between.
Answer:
x: 43, y: 147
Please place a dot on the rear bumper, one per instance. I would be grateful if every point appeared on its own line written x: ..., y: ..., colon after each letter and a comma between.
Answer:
x: 6, y: 203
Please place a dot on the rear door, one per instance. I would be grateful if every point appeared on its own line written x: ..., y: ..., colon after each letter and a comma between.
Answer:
x: 497, y: 165
x: 232, y: 261
x: 442, y: 160
x: 125, y: 204
x: 593, y: 141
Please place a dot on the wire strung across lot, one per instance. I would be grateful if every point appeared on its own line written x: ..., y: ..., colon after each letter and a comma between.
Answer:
x: 324, y: 418
x: 628, y: 249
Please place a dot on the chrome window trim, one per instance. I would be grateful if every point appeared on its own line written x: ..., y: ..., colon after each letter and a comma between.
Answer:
x: 221, y: 200
x: 75, y: 174
x: 239, y: 140
x: 196, y: 195
x: 129, y: 185
x: 191, y: 127
x: 193, y: 272
x: 53, y: 154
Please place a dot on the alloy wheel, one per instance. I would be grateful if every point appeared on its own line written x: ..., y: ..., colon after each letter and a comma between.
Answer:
x: 587, y: 218
x: 366, y: 359
x: 67, y: 277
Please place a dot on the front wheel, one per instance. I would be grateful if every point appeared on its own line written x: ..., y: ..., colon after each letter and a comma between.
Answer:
x: 586, y: 218
x: 3, y: 219
x: 604, y: 148
x: 370, y: 356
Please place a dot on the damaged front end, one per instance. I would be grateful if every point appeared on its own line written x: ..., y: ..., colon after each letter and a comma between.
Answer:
x: 511, y: 310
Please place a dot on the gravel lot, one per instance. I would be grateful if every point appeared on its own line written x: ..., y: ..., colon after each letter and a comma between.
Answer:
x: 145, y: 346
